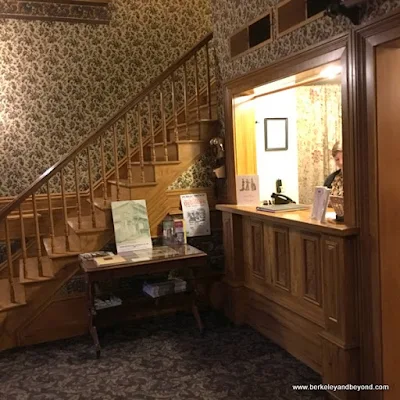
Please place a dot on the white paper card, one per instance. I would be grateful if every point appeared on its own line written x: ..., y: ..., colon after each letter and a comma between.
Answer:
x: 321, y: 198
x: 196, y: 214
x: 247, y: 190
x: 131, y: 225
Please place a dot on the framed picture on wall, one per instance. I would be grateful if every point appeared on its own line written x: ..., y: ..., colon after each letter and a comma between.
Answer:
x: 276, y: 134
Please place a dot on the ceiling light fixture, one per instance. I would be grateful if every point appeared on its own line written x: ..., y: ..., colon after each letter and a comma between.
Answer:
x: 331, y: 72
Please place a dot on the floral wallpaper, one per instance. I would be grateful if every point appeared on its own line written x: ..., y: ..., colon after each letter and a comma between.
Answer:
x: 319, y: 127
x: 60, y: 81
x: 231, y: 15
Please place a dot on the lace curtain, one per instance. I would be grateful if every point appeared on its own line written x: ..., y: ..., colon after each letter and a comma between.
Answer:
x: 319, y: 126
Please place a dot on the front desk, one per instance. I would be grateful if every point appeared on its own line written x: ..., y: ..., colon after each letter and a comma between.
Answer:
x: 294, y: 280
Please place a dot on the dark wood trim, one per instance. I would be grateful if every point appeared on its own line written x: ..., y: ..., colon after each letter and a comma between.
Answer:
x: 73, y: 11
x: 323, y: 53
x: 364, y: 41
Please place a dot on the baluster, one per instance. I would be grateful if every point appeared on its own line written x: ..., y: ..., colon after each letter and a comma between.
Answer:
x: 23, y: 243
x: 91, y: 191
x: 196, y: 77
x: 153, y: 147
x: 175, y: 115
x: 128, y: 149
x: 141, y: 156
x: 185, y: 99
x: 37, y: 234
x: 164, y: 125
x: 50, y: 217
x: 9, y: 262
x: 78, y: 194
x: 103, y: 169
x: 116, y: 161
x: 208, y: 82
x: 65, y: 213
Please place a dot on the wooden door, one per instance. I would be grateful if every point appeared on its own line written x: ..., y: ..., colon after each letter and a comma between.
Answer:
x: 388, y: 171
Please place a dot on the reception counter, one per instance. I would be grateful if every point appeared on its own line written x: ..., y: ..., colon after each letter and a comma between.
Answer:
x: 294, y: 280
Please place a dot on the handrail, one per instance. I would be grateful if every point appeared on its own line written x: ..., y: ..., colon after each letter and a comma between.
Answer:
x: 50, y: 172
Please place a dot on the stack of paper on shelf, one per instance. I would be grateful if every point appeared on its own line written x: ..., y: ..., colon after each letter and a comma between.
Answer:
x: 159, y: 289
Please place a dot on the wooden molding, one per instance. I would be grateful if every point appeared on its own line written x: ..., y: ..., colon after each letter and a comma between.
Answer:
x: 88, y: 11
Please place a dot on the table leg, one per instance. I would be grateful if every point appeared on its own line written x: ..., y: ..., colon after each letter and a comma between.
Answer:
x: 195, y: 309
x: 196, y: 314
x: 95, y: 337
x: 92, y: 313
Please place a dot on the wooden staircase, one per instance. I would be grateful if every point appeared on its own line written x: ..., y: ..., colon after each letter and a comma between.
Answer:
x: 137, y: 154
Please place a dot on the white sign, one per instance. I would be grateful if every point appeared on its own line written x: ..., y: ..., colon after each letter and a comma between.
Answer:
x: 247, y: 190
x: 196, y: 214
x: 321, y: 198
x: 131, y: 225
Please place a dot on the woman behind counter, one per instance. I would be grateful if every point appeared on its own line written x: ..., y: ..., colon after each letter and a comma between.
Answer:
x: 335, y: 180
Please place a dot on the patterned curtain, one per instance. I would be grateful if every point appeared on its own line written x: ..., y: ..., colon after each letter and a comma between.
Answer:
x: 319, y: 126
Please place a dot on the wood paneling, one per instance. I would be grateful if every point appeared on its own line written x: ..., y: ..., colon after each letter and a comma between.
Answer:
x: 301, y: 289
x: 239, y: 42
x: 257, y: 249
x: 334, y: 356
x: 245, y: 139
x: 331, y: 294
x: 311, y: 258
x: 281, y: 258
x: 290, y: 14
x: 291, y: 331
x: 364, y: 45
x: 388, y: 145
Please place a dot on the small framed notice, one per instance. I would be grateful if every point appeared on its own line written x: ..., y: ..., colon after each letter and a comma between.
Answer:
x: 276, y: 134
x: 247, y: 190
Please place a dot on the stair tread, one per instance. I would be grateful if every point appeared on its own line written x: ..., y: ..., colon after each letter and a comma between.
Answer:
x: 59, y: 249
x: 194, y: 123
x: 5, y: 303
x: 87, y: 226
x: 135, y: 163
x: 185, y: 141
x: 101, y: 204
x: 202, y: 106
x: 32, y: 269
x: 125, y: 183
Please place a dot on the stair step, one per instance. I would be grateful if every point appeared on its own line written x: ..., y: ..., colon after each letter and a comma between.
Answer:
x: 125, y: 183
x: 196, y: 123
x: 19, y: 291
x: 32, y: 270
x: 87, y: 226
x: 172, y: 162
x: 59, y: 248
x: 186, y: 141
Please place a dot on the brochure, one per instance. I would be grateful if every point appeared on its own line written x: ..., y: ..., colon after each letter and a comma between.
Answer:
x: 131, y: 225
x: 247, y: 190
x: 196, y: 214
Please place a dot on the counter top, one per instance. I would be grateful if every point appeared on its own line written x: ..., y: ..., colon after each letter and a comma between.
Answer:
x: 299, y: 219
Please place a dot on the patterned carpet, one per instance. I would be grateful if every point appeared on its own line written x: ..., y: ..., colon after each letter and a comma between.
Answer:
x: 162, y: 358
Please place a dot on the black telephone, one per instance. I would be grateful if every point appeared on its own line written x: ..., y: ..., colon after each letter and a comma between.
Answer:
x: 281, y: 198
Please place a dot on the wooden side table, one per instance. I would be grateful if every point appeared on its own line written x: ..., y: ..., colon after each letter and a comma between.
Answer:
x: 160, y: 259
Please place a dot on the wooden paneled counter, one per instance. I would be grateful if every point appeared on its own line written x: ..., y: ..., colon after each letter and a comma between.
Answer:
x: 294, y: 280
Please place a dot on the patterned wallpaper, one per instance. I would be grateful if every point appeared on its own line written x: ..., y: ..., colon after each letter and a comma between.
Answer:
x: 60, y: 81
x: 231, y: 15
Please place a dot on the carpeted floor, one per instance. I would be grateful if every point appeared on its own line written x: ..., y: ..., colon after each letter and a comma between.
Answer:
x: 162, y: 358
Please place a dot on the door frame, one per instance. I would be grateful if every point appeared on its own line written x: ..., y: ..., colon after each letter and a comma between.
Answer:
x: 364, y: 41
x: 337, y: 48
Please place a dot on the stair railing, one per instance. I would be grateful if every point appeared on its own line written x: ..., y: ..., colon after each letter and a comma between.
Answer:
x: 107, y: 153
